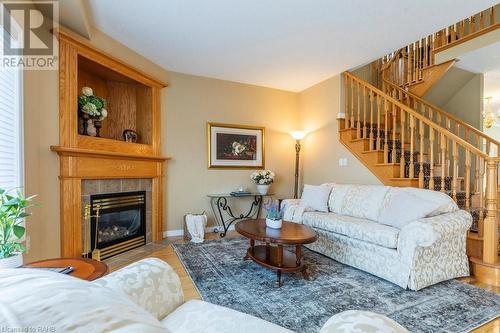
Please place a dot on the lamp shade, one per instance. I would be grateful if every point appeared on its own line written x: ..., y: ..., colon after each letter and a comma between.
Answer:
x: 298, y: 135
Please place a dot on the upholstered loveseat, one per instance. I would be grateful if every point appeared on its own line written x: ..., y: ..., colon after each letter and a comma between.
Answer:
x: 144, y: 297
x: 411, y: 237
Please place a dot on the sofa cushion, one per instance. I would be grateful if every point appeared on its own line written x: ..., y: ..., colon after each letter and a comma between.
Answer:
x: 361, y: 229
x: 404, y: 205
x: 35, y: 298
x: 363, y: 201
x: 199, y: 316
x: 316, y: 197
x: 404, y: 208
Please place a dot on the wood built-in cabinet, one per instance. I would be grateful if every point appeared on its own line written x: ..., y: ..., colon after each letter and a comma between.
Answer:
x: 133, y: 102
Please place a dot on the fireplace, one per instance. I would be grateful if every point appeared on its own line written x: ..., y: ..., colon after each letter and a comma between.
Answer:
x: 118, y: 223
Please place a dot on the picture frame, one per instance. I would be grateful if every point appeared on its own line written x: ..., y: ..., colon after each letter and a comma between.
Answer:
x: 233, y: 146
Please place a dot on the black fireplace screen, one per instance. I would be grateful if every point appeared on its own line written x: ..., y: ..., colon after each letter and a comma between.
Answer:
x: 121, y: 218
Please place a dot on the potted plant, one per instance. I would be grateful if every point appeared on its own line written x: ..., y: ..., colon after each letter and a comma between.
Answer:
x: 263, y: 180
x: 12, y: 214
x: 274, y: 219
x: 91, y: 108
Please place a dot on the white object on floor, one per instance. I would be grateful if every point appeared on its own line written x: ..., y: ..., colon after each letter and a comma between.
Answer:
x: 196, y: 224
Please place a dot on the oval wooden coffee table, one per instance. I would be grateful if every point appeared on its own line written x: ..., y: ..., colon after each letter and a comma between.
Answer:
x: 276, y: 257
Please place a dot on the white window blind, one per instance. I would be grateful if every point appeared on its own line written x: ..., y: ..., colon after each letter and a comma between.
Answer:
x: 10, y: 125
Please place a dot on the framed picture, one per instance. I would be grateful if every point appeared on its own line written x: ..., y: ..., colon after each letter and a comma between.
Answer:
x: 235, y: 146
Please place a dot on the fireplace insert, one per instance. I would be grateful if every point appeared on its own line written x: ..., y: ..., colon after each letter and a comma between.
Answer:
x: 118, y: 223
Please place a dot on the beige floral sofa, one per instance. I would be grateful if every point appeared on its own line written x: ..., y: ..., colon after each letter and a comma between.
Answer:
x: 144, y: 297
x: 362, y: 229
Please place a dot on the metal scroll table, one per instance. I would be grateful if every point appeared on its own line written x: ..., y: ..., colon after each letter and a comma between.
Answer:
x: 224, y: 215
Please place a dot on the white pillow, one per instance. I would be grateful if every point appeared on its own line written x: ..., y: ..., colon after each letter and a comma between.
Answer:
x: 443, y: 202
x: 316, y: 197
x: 405, y: 207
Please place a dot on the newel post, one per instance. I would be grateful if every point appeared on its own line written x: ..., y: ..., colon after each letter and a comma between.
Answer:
x: 490, y: 237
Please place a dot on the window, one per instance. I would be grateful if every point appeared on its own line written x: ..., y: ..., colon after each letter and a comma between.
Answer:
x: 11, y: 169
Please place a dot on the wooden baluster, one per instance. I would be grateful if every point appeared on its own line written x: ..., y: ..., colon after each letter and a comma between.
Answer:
x: 417, y: 60
x: 492, y: 16
x: 410, y: 64
x: 386, y: 131
x: 488, y: 147
x: 482, y: 205
x: 372, y: 139
x: 466, y: 134
x: 454, y: 171
x: 476, y: 175
x: 490, y: 232
x: 431, y: 114
x: 352, y: 104
x: 404, y: 70
x: 425, y: 55
x: 467, y: 179
x: 365, y: 126
x: 346, y: 98
x: 472, y: 24
x: 421, y: 175
x: 402, y: 138
x: 358, y: 124
x: 394, y: 127
x: 444, y: 37
x: 431, y: 158
x: 443, y: 161
x: 453, y: 35
x: 481, y: 21
x: 412, y: 145
x: 438, y: 121
x: 379, y: 111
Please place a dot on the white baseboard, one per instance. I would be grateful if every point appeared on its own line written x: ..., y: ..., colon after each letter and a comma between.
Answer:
x: 180, y: 232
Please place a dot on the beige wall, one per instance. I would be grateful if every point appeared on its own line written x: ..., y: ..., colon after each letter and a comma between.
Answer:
x: 319, y: 107
x: 192, y: 101
x: 187, y: 104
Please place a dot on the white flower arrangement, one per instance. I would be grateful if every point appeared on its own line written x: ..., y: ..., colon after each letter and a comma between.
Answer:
x: 92, y: 105
x: 262, y: 177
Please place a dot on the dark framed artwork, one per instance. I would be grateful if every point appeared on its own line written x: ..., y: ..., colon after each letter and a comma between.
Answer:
x: 235, y: 146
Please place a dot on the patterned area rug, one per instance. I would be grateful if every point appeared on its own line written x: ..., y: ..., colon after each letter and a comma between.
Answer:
x: 222, y: 277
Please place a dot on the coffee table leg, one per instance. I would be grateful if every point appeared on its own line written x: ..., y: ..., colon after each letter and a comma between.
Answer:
x: 251, y: 249
x: 298, y: 254
x: 278, y: 279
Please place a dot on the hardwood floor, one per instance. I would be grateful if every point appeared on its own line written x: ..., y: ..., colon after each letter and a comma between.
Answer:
x: 163, y: 250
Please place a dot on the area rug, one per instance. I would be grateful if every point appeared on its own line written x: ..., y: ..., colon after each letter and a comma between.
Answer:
x: 222, y: 277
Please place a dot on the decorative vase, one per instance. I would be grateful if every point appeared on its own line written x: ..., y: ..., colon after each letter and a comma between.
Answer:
x: 97, y: 125
x: 274, y: 224
x: 12, y: 262
x: 91, y: 131
x: 85, y: 118
x: 263, y: 189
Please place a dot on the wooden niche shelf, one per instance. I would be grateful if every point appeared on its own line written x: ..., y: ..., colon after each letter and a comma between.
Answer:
x: 133, y: 102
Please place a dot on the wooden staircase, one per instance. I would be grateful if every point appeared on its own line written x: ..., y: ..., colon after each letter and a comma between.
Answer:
x: 405, y: 141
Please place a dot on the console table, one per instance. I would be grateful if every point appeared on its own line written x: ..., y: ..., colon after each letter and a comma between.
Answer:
x: 220, y: 204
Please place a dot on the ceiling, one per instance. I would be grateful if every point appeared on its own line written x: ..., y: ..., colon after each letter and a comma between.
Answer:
x: 284, y: 44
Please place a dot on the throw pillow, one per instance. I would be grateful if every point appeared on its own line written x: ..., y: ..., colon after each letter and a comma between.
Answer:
x: 316, y: 197
x: 403, y: 208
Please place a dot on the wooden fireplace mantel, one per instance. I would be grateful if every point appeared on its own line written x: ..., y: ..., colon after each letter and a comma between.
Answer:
x: 133, y: 100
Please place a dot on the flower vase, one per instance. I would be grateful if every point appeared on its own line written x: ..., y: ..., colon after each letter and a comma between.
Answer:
x: 97, y: 125
x: 85, y: 118
x: 12, y: 262
x: 274, y: 224
x: 263, y: 189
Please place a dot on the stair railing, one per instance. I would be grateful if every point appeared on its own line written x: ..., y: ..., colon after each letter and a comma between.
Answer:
x: 455, y: 165
x: 405, y: 66
x: 455, y: 125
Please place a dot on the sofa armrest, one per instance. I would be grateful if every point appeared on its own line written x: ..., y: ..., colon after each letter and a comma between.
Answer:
x: 293, y: 209
x: 431, y: 230
x: 150, y: 283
